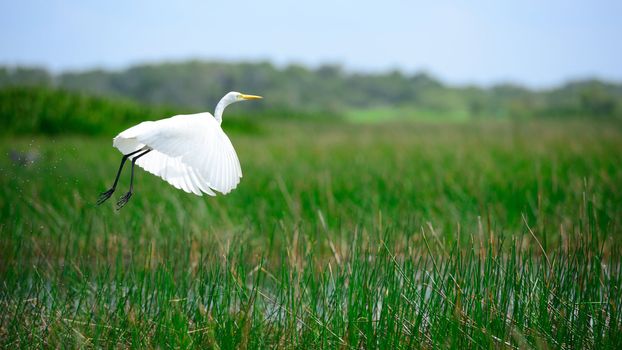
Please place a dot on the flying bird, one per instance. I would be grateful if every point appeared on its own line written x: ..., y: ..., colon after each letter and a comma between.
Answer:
x: 190, y: 152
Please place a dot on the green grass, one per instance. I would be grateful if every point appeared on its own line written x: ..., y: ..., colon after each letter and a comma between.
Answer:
x: 385, y: 114
x: 491, y: 235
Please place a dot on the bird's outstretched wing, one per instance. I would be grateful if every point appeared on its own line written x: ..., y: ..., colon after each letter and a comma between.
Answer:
x: 191, y: 152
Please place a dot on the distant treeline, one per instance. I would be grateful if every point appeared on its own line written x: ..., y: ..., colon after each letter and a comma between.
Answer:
x: 197, y: 85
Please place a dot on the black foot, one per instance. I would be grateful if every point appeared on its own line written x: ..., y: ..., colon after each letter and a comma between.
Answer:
x: 104, y: 196
x: 123, y: 200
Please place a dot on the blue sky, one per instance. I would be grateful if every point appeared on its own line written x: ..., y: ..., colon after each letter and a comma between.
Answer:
x: 537, y: 43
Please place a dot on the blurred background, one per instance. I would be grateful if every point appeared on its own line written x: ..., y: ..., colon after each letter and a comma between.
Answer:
x: 359, y: 61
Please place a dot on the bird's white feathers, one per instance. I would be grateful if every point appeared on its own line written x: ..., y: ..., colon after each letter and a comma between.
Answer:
x: 191, y: 152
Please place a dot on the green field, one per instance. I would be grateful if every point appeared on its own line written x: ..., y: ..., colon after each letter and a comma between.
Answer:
x: 414, y: 235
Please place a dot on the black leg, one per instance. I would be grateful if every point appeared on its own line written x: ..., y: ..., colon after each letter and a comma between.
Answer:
x: 126, y: 197
x: 106, y: 194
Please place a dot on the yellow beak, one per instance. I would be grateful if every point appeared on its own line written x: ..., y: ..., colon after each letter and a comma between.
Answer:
x: 251, y: 97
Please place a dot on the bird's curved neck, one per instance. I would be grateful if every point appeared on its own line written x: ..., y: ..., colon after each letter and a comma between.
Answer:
x: 220, y: 108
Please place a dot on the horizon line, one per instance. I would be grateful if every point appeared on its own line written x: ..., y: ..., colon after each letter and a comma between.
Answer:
x: 343, y: 67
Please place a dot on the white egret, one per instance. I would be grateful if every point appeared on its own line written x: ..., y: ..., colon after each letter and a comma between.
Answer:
x: 190, y: 152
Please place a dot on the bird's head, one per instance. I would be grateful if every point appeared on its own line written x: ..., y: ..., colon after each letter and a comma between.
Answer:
x: 230, y: 98
x: 235, y: 96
